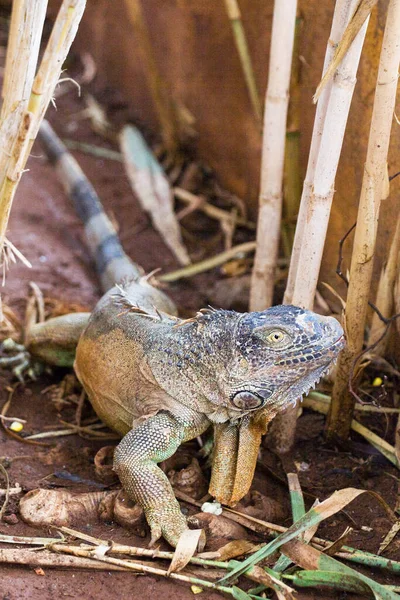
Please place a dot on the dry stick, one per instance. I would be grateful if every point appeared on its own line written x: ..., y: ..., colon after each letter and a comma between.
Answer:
x: 273, y: 154
x: 52, y: 560
x: 385, y: 295
x: 163, y: 105
x: 22, y: 53
x: 208, y: 263
x: 235, y: 17
x: 61, y: 38
x: 329, y: 126
x: 374, y: 188
x: 320, y: 200
x: 341, y: 17
x: 138, y: 567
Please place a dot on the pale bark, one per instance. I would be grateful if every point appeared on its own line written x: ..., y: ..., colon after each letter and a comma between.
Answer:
x: 326, y: 143
x: 341, y: 18
x: 273, y: 154
x: 20, y: 138
x: 320, y: 201
x: 374, y: 188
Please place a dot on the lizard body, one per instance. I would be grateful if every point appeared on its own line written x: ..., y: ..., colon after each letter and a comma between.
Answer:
x: 159, y: 380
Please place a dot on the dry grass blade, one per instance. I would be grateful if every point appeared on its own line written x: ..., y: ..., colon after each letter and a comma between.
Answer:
x: 152, y: 189
x: 389, y: 537
x: 362, y: 12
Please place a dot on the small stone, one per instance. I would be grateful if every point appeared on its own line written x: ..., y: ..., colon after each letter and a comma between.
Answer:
x: 11, y: 519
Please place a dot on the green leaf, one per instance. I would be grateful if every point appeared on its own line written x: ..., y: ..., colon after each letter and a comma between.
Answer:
x: 239, y: 594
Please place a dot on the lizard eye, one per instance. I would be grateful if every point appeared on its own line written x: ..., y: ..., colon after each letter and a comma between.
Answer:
x: 247, y: 400
x: 277, y: 336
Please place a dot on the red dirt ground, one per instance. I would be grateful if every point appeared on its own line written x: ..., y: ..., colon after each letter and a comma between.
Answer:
x: 44, y: 227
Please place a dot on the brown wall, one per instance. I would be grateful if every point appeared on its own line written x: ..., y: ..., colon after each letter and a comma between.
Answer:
x: 196, y: 55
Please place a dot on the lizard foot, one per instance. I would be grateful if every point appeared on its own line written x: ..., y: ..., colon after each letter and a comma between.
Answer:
x: 19, y: 362
x: 167, y: 522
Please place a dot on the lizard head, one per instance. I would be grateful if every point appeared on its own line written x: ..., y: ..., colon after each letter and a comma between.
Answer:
x: 280, y: 354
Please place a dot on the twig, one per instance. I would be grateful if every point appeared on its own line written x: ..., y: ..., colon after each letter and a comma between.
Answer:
x: 208, y: 263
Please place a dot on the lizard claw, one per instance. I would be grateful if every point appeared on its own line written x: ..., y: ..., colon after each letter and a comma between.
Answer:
x: 168, y: 522
x: 20, y: 363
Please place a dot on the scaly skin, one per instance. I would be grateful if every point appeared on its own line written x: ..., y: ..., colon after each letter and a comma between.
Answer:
x: 160, y: 381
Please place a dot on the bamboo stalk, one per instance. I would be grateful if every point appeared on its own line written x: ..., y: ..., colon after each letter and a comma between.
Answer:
x: 273, y: 154
x: 320, y: 201
x: 27, y: 20
x: 385, y: 294
x: 374, y: 189
x: 326, y: 144
x: 341, y: 17
x: 235, y: 17
x: 163, y: 104
x: 58, y: 46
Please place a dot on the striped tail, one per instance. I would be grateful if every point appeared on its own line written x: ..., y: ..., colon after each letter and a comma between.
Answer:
x: 113, y: 265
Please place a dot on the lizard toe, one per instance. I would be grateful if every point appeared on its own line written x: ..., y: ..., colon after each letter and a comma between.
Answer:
x: 167, y: 522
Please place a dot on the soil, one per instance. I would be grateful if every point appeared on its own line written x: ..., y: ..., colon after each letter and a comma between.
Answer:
x: 45, y: 229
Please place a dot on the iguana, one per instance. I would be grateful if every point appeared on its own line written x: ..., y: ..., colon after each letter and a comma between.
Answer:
x: 160, y: 381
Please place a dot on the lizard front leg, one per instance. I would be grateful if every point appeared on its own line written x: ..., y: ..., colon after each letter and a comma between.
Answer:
x: 136, y: 459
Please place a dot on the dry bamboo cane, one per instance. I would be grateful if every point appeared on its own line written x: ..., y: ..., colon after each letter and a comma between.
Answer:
x: 341, y: 17
x: 385, y: 295
x: 273, y: 154
x: 320, y: 201
x: 374, y: 189
x: 27, y: 21
x: 329, y: 126
x: 235, y: 17
x: 61, y: 38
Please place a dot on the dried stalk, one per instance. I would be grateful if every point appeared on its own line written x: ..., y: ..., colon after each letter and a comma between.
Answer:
x: 235, y: 17
x: 320, y: 201
x: 273, y: 154
x: 341, y: 17
x: 385, y: 294
x: 60, y: 41
x: 163, y: 104
x: 27, y: 21
x: 363, y: 11
x: 326, y: 144
x: 32, y: 558
x: 208, y: 263
x: 374, y: 189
